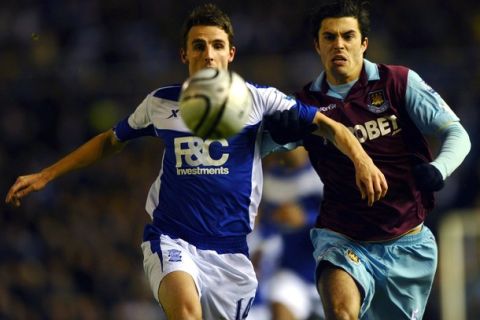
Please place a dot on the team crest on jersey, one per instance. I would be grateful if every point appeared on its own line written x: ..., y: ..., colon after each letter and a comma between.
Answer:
x: 174, y: 255
x: 377, y: 102
x: 352, y: 256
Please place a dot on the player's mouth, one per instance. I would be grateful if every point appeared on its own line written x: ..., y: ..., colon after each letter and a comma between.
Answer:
x: 339, y: 60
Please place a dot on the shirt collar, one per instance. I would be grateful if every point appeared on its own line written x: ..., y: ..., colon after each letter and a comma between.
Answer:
x: 371, y: 70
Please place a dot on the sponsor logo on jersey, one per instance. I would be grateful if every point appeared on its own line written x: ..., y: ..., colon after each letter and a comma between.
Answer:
x: 174, y: 255
x: 331, y: 106
x: 352, y: 256
x: 195, y: 156
x: 174, y: 113
x: 376, y: 128
x: 377, y: 102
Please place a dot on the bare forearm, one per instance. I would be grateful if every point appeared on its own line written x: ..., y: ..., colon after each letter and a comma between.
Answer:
x: 95, y: 149
x: 340, y: 136
x: 369, y: 179
x: 92, y: 151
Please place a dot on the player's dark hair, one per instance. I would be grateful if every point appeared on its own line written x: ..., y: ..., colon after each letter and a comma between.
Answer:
x: 208, y: 15
x: 358, y: 9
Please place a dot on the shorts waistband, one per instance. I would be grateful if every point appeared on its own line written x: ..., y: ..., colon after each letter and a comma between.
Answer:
x: 411, y: 236
x: 220, y: 244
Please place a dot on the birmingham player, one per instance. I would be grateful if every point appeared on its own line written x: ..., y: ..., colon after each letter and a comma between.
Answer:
x: 291, y: 197
x: 204, y: 201
x: 374, y: 262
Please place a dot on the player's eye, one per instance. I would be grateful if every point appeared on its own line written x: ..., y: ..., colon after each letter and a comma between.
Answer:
x: 219, y: 45
x: 329, y: 37
x: 198, y: 46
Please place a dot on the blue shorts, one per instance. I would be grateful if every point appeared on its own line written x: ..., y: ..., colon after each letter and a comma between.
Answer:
x: 395, y: 277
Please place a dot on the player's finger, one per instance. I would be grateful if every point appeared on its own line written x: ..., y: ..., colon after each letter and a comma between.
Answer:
x: 16, y: 202
x: 378, y: 190
x: 12, y: 200
x: 10, y: 194
x: 384, y: 185
x: 361, y: 187
x: 14, y: 189
x: 23, y: 192
x: 370, y: 193
x: 20, y: 188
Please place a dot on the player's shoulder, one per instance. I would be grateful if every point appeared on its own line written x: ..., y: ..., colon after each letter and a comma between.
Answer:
x: 393, y: 69
x: 255, y: 87
x: 163, y: 98
x: 171, y: 92
x: 389, y: 73
x: 262, y: 90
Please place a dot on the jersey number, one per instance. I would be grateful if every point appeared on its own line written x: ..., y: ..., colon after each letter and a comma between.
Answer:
x: 243, y: 315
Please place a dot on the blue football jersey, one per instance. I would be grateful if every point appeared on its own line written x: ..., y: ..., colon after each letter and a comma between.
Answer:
x: 207, y: 191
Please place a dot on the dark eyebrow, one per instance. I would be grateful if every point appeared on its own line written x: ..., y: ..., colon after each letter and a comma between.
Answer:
x: 197, y: 41
x: 343, y: 33
x: 349, y: 32
x: 194, y: 41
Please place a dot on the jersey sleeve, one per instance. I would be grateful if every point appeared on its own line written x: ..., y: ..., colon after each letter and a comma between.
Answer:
x: 136, y: 125
x: 454, y: 148
x: 426, y: 108
x: 267, y: 100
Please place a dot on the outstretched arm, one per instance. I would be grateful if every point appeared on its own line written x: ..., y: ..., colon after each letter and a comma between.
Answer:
x: 93, y: 150
x: 369, y: 179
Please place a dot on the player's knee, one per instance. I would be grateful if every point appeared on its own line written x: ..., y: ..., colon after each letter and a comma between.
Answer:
x: 342, y: 313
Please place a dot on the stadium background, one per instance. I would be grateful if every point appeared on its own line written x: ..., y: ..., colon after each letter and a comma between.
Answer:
x: 69, y: 69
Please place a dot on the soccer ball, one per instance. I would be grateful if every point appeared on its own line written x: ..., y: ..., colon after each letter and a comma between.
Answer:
x: 215, y: 103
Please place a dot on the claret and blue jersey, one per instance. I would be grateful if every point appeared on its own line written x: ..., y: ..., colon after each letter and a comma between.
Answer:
x: 207, y: 191
x: 388, y: 109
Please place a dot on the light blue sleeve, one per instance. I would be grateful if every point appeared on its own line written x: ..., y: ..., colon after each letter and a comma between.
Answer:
x: 426, y: 108
x: 455, y: 145
x: 432, y: 115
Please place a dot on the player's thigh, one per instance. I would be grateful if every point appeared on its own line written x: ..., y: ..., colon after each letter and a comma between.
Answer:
x: 173, y: 276
x: 178, y: 296
x: 339, y: 292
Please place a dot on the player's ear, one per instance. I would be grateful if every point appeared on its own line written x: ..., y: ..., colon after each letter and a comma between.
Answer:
x: 183, y: 55
x: 316, y: 44
x: 365, y: 44
x: 233, y: 50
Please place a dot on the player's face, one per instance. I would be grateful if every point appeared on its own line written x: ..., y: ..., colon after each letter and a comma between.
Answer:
x: 207, y: 47
x: 341, y: 49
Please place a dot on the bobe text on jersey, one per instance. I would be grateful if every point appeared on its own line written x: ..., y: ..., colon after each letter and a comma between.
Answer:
x: 195, y: 156
x: 374, y: 129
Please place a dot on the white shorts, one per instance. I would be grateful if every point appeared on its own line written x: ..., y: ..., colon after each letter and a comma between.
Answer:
x: 226, y: 283
x: 300, y: 297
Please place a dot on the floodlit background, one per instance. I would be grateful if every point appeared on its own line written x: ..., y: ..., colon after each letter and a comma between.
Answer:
x: 70, y: 69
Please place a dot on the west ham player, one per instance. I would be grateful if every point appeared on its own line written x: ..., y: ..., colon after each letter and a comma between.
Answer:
x: 375, y: 262
x: 204, y: 201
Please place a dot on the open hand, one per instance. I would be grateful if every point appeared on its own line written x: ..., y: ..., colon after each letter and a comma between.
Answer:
x: 24, y: 186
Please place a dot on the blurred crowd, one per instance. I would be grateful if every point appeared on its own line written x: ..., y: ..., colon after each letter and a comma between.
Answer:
x: 71, y: 68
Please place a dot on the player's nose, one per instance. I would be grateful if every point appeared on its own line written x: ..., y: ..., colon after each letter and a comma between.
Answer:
x: 208, y: 53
